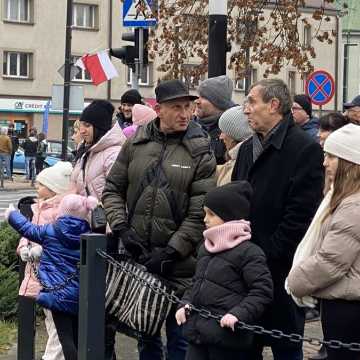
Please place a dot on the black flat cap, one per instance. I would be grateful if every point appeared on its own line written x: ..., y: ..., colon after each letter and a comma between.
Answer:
x: 355, y: 102
x: 172, y: 90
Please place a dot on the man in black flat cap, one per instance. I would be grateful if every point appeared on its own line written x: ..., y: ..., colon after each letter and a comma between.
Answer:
x: 153, y: 199
x: 352, y: 110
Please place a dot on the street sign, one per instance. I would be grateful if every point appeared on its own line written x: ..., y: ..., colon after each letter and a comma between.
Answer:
x: 138, y: 13
x: 320, y: 87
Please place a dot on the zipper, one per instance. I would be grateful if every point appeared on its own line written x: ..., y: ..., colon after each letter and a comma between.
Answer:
x: 156, y: 186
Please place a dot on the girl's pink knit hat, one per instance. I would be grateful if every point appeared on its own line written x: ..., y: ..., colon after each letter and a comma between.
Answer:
x: 142, y: 114
x: 77, y: 206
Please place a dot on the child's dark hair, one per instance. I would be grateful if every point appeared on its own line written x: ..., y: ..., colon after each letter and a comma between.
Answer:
x: 333, y: 121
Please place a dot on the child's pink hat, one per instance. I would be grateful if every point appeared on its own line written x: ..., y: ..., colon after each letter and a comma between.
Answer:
x: 142, y: 114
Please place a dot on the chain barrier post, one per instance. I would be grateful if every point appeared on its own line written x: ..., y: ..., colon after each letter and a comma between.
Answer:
x: 92, y: 298
x: 26, y: 323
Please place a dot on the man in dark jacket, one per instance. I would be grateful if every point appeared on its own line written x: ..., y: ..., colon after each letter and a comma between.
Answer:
x: 303, y: 116
x: 15, y: 145
x: 128, y: 99
x: 284, y: 166
x: 30, y: 149
x: 214, y: 98
x: 153, y: 199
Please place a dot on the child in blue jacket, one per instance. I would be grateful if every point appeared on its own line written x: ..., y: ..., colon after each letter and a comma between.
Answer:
x: 58, y: 269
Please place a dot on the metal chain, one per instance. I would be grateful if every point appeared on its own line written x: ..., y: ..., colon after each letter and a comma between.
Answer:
x: 256, y: 329
x: 57, y: 287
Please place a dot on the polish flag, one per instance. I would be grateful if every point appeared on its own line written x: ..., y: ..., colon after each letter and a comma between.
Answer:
x: 99, y: 66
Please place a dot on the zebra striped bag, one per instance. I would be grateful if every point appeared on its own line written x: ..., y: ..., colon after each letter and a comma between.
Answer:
x: 139, y: 309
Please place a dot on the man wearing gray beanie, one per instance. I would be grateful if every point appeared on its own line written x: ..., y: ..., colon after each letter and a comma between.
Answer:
x: 214, y: 98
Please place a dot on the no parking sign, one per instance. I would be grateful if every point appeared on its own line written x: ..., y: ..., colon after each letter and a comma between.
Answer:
x: 320, y: 87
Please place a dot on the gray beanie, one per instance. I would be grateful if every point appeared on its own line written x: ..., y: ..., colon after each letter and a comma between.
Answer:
x: 233, y: 123
x: 218, y: 90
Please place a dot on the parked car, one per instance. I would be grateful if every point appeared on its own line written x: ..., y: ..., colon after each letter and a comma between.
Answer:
x: 53, y: 155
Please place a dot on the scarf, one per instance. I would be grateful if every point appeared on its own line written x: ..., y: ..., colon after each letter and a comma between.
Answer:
x: 311, y: 241
x: 227, y: 236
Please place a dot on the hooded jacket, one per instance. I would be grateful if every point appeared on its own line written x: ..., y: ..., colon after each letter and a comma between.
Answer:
x: 312, y: 128
x: 59, y: 260
x: 157, y: 186
x: 235, y: 281
x: 99, y: 160
x: 30, y: 146
x: 44, y: 212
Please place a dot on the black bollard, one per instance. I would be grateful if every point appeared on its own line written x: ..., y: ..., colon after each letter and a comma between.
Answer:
x: 91, y: 344
x: 26, y: 323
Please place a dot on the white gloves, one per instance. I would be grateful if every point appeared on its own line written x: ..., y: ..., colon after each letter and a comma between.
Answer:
x: 35, y: 253
x: 8, y: 211
x: 305, y: 301
x: 24, y: 253
x: 30, y: 254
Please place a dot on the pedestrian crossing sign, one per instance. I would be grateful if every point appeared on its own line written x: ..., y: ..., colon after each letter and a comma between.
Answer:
x: 138, y: 13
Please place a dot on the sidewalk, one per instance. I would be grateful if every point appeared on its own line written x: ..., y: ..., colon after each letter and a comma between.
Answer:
x: 19, y: 183
x: 126, y: 348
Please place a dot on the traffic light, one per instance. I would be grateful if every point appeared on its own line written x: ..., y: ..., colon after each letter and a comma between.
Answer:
x: 129, y: 53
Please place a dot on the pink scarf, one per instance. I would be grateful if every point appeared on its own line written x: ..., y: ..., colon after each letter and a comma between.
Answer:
x: 227, y: 236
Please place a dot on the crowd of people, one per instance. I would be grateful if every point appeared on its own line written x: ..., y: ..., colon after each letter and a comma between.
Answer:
x: 235, y: 207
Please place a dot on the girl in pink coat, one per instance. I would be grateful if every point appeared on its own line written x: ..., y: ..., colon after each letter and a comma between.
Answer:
x: 52, y: 184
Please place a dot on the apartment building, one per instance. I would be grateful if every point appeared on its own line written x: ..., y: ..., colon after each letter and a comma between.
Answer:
x: 32, y: 42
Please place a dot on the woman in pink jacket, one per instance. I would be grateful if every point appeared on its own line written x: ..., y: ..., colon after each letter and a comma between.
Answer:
x: 52, y: 184
x: 102, y: 144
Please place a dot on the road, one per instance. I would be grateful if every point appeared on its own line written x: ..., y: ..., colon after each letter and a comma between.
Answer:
x: 12, y: 196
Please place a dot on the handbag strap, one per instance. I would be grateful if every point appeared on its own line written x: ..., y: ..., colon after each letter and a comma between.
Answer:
x: 83, y: 166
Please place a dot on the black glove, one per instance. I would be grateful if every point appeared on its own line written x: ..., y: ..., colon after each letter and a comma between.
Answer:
x: 131, y: 242
x: 160, y: 261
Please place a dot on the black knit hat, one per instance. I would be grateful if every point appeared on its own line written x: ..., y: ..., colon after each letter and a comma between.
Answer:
x: 131, y: 96
x: 231, y: 201
x: 305, y: 102
x: 99, y: 114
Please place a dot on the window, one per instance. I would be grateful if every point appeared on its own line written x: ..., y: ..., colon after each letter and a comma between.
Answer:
x: 145, y: 78
x: 191, y: 76
x: 84, y: 16
x: 83, y: 75
x: 307, y: 35
x: 16, y: 64
x: 17, y: 10
x: 240, y: 84
x: 292, y: 82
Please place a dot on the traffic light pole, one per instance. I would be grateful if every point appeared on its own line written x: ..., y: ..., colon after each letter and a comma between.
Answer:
x: 67, y: 80
x: 217, y: 38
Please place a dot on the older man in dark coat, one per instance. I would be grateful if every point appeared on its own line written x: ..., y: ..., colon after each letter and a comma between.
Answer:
x: 284, y: 166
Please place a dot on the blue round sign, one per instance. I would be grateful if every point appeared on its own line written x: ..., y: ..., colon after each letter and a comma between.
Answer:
x: 320, y: 87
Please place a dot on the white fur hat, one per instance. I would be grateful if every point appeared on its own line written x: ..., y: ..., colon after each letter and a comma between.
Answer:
x: 345, y: 143
x: 57, y: 177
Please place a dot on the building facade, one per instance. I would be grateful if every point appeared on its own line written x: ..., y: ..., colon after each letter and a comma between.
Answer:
x: 32, y: 43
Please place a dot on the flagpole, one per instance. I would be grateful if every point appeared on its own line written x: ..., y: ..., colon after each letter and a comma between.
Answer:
x: 67, y: 80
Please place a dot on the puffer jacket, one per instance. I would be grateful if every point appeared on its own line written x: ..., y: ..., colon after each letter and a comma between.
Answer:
x: 44, y: 212
x: 157, y: 185
x: 235, y: 281
x: 333, y: 272
x: 100, y: 158
x: 60, y: 258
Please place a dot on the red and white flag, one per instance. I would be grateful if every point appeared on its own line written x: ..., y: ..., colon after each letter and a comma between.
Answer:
x: 99, y: 66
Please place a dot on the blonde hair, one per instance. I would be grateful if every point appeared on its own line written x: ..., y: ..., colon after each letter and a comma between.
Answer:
x: 346, y: 183
x: 76, y: 125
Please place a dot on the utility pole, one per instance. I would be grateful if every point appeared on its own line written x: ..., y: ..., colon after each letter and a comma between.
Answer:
x: 217, y: 37
x: 67, y: 80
